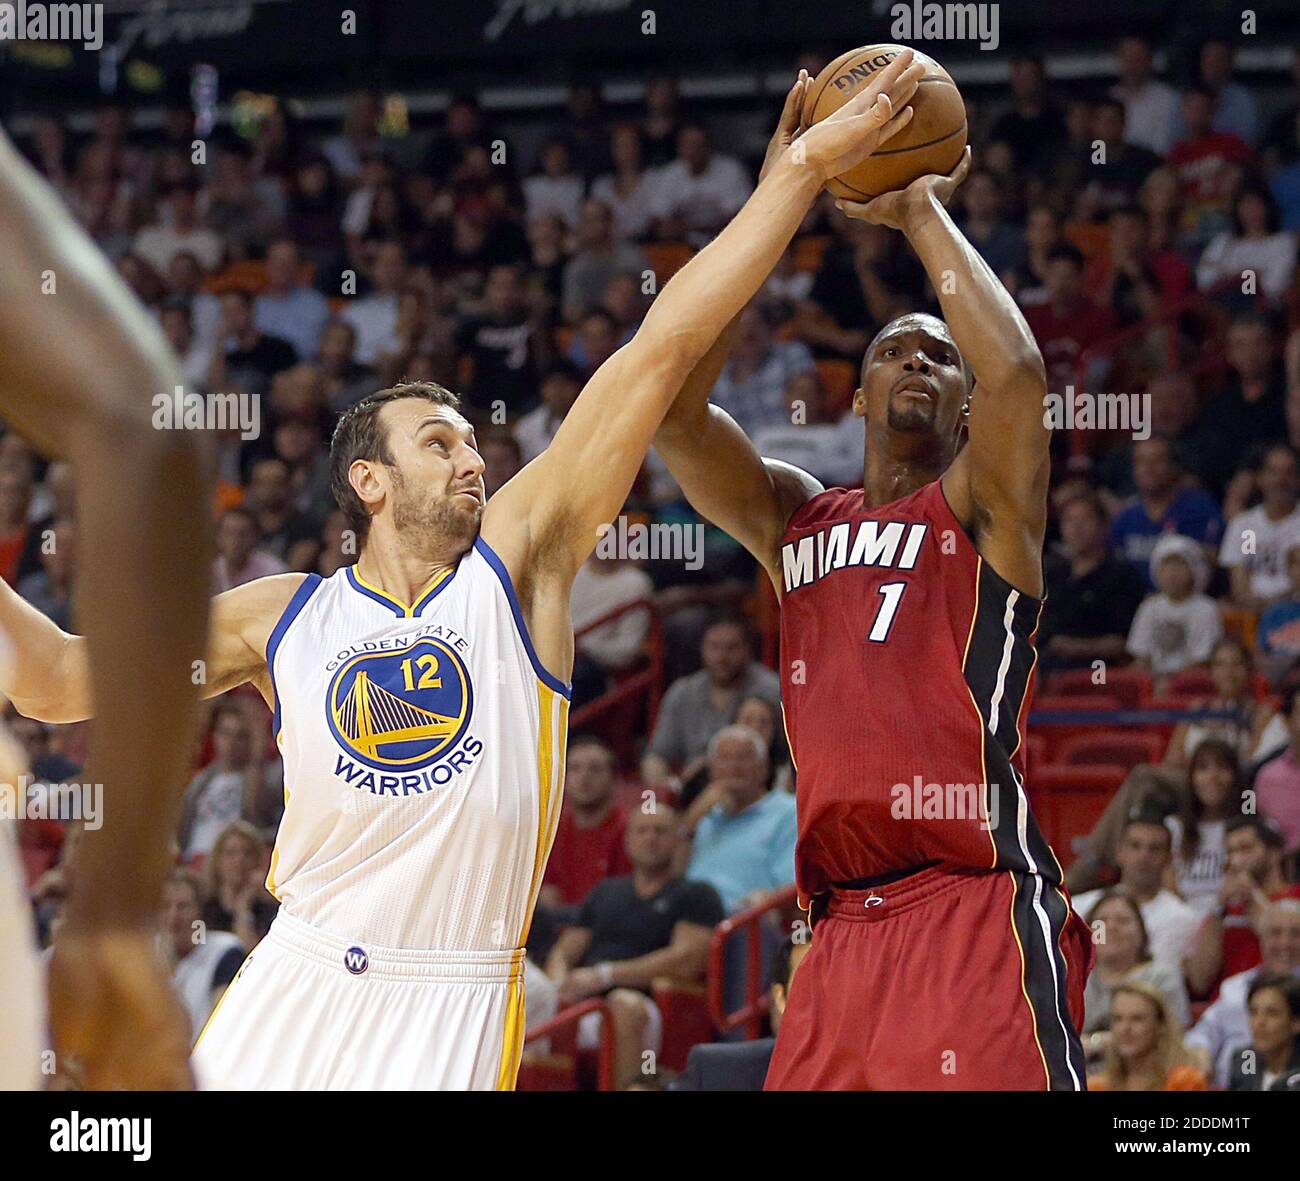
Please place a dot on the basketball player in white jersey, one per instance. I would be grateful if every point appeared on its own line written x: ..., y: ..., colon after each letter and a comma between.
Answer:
x: 420, y: 697
x: 80, y: 362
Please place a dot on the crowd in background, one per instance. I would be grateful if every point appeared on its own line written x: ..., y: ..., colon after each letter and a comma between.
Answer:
x: 1146, y: 226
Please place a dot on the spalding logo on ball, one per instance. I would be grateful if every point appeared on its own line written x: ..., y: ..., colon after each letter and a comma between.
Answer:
x: 931, y: 143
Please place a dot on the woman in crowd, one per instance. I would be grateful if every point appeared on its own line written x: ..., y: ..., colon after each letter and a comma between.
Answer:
x: 1212, y: 798
x: 761, y: 715
x: 1256, y: 243
x: 237, y: 899
x: 1145, y: 1051
x: 1124, y: 955
x: 1274, y: 1051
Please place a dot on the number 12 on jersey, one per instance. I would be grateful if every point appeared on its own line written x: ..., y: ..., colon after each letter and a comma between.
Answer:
x: 892, y: 593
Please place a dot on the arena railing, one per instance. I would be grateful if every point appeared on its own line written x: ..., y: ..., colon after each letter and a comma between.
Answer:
x: 756, y: 998
x: 646, y: 681
x: 566, y: 1022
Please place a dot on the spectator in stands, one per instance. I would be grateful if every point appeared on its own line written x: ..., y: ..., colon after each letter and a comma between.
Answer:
x: 1149, y: 104
x: 1068, y: 323
x: 1131, y: 280
x: 1278, y: 632
x: 598, y: 337
x: 50, y: 588
x: 1144, y: 855
x: 753, y: 382
x: 285, y: 532
x: 178, y: 326
x: 185, y: 278
x: 762, y: 716
x: 234, y: 786
x: 1121, y: 166
x: 589, y: 844
x: 1256, y: 254
x: 630, y: 932
x: 45, y: 761
x: 1034, y: 123
x: 742, y: 1066
x: 359, y: 137
x: 1028, y: 281
x: 1235, y: 110
x: 244, y: 211
x: 19, y: 543
x: 346, y: 381
x: 1172, y: 398
x: 1165, y: 503
x: 1226, y: 942
x: 240, y: 558
x: 604, y: 583
x: 245, y: 357
x: 236, y: 898
x: 315, y: 217
x: 999, y: 243
x: 1254, y: 730
x: 1256, y: 541
x: 1273, y: 1051
x: 599, y: 257
x: 1176, y: 627
x: 697, y: 706
x: 1225, y: 1025
x: 1124, y: 954
x: 204, y: 962
x: 178, y: 229
x: 1215, y: 794
x: 744, y: 834
x: 693, y: 197
x: 374, y: 316
x: 561, y: 385
x: 627, y: 190
x: 288, y: 308
x: 661, y: 124
x: 503, y: 343
x: 1277, y: 783
x: 1161, y: 199
x: 1207, y: 163
x: 1091, y: 595
x: 811, y: 438
x: 502, y: 455
x: 555, y: 189
x: 462, y: 130
x: 1145, y: 1051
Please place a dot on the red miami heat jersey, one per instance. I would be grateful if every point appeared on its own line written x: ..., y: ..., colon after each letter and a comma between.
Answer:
x: 907, y: 666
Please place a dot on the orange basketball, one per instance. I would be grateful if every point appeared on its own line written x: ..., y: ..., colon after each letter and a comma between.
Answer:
x: 932, y: 142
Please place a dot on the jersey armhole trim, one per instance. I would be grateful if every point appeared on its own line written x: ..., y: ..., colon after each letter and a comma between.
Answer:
x: 291, y: 612
x: 1038, y: 599
x: 499, y: 569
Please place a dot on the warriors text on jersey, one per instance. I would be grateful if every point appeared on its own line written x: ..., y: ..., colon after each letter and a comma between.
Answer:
x: 907, y: 665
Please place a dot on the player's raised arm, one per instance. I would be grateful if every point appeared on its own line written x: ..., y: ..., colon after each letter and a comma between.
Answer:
x: 721, y: 474
x: 1002, y: 474
x: 557, y: 503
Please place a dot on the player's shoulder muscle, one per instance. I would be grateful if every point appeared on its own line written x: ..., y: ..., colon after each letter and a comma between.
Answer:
x: 243, y: 619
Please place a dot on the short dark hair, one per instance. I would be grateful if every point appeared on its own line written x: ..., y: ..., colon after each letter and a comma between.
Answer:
x: 358, y: 434
x: 1261, y: 826
x: 1149, y: 818
x: 578, y: 741
x: 1286, y: 985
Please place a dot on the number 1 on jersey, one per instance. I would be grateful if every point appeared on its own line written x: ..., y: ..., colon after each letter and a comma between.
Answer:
x: 892, y: 592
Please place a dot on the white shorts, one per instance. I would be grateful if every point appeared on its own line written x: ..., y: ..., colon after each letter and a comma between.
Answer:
x: 589, y: 1027
x: 22, y: 1000
x: 310, y: 1011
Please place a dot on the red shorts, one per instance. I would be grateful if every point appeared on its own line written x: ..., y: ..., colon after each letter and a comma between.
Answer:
x: 958, y: 980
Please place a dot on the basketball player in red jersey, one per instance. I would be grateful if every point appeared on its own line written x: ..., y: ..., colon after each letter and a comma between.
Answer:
x: 945, y: 953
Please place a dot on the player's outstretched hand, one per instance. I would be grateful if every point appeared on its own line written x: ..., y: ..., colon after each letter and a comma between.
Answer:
x: 114, y: 1013
x: 899, y: 210
x: 869, y: 119
x: 787, y: 127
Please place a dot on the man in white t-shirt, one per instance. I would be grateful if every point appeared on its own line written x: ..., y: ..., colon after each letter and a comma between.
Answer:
x: 1144, y: 853
x: 699, y: 192
x: 1256, y: 542
x: 1150, y: 106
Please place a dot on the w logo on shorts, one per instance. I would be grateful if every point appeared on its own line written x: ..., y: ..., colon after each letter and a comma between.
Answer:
x: 355, y: 960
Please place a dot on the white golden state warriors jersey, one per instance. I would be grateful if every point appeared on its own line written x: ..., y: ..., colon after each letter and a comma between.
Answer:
x: 423, y: 760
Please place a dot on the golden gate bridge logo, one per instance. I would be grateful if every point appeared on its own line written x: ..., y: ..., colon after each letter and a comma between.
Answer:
x: 403, y: 708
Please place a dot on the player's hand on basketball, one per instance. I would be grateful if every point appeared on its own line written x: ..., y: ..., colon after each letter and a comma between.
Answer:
x: 114, y: 1013
x: 787, y: 127
x: 868, y: 120
x: 901, y: 210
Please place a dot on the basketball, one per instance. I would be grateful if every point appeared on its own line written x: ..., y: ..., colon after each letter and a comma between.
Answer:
x: 931, y: 143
